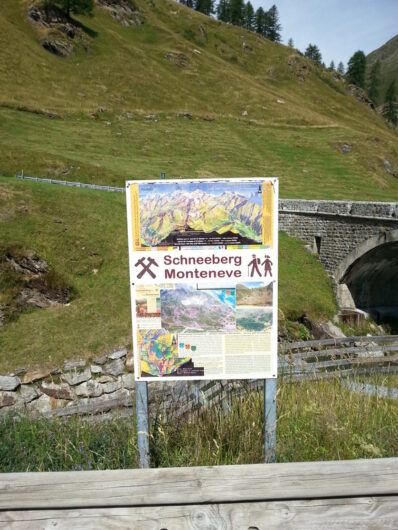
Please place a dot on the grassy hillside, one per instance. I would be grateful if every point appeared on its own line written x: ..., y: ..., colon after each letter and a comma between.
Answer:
x: 83, y: 235
x: 388, y: 57
x: 114, y: 108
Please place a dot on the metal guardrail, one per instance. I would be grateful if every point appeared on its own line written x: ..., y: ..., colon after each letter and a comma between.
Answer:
x: 71, y: 183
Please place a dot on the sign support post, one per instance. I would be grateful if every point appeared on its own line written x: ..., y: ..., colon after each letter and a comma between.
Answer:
x: 270, y: 387
x: 141, y: 403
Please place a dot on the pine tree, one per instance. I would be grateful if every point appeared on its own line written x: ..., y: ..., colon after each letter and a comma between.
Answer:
x: 272, y: 28
x: 356, y: 69
x: 78, y: 7
x: 205, y: 6
x: 390, y: 111
x: 237, y: 9
x: 313, y: 53
x: 374, y: 81
x: 259, y: 21
x: 224, y: 10
x: 248, y: 16
x: 332, y: 66
x: 290, y: 43
x: 341, y: 68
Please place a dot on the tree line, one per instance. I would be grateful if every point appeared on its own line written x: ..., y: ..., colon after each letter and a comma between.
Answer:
x: 241, y: 13
x: 356, y: 75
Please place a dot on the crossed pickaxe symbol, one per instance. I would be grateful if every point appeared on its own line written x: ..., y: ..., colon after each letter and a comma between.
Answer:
x: 146, y: 267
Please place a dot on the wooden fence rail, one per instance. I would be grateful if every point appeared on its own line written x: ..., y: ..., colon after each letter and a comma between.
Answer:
x: 356, y: 494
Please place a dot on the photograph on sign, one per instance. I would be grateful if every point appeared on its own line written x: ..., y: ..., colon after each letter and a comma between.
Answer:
x: 203, y: 270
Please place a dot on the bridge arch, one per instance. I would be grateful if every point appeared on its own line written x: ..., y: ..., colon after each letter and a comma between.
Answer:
x: 367, y: 278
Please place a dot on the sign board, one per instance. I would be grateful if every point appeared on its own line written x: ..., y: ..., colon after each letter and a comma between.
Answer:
x: 204, y: 278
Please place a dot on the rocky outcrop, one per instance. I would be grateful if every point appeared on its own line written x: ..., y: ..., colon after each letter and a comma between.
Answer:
x: 178, y: 59
x: 59, y: 34
x: 124, y: 11
x: 29, y: 281
x: 361, y: 96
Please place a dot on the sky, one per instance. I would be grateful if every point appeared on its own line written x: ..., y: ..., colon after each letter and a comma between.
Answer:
x: 338, y: 27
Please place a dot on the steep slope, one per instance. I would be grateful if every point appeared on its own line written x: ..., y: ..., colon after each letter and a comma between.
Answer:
x: 180, y: 92
x: 388, y: 57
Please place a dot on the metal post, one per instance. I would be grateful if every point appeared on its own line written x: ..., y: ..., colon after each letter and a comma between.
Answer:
x: 270, y: 387
x: 141, y: 403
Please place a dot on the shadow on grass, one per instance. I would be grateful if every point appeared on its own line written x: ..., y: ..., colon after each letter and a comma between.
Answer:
x: 90, y: 32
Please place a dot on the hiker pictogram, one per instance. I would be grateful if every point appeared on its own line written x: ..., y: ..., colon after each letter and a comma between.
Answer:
x: 267, y: 264
x: 146, y: 267
x: 253, y: 266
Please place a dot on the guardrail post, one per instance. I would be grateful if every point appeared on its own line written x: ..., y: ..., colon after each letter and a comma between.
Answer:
x: 270, y: 388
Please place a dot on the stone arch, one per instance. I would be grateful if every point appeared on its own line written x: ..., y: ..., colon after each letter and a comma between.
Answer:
x: 368, y: 277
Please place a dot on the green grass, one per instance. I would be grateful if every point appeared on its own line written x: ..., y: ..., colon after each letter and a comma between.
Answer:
x: 293, y: 128
x: 316, y: 421
x: 80, y: 231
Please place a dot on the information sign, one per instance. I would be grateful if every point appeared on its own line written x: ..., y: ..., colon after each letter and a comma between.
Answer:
x: 204, y: 277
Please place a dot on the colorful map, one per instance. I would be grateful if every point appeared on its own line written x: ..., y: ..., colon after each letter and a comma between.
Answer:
x: 202, y: 208
x: 159, y: 353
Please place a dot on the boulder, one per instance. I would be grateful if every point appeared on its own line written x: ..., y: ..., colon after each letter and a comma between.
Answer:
x: 114, y: 368
x: 7, y: 399
x: 29, y: 393
x: 57, y: 391
x: 89, y: 389
x: 9, y: 382
x: 128, y: 381
x: 108, y: 388
x: 118, y: 354
x: 77, y: 376
x: 36, y: 375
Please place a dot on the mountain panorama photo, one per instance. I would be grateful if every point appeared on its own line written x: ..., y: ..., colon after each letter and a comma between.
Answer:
x: 203, y: 213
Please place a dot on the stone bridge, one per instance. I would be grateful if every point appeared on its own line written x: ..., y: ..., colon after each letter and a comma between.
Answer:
x: 357, y: 243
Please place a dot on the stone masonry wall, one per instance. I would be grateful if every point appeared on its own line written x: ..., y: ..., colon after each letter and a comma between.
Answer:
x: 341, y: 226
x: 103, y: 386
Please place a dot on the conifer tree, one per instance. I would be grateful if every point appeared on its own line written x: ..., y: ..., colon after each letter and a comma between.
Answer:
x: 237, y: 12
x: 313, y: 53
x: 249, y: 16
x: 341, y: 68
x: 205, y: 6
x: 290, y: 43
x: 374, y: 82
x: 272, y: 28
x: 356, y: 69
x: 332, y: 66
x: 259, y: 21
x: 390, y: 111
x: 224, y: 10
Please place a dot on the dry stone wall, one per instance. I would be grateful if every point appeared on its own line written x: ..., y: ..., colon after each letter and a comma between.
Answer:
x: 104, y: 386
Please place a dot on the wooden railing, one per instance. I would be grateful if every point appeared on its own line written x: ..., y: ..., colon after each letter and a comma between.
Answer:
x: 355, y: 494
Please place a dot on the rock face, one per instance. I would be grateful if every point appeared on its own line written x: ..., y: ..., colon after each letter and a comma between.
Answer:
x: 299, y: 67
x: 177, y: 58
x: 60, y: 33
x: 30, y: 286
x: 360, y: 95
x: 124, y: 11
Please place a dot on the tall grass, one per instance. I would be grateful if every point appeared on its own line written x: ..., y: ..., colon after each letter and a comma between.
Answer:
x: 316, y: 420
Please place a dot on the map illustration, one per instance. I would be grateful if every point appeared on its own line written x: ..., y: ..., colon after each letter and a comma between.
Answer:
x: 203, y: 213
x: 159, y: 354
x: 186, y: 308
